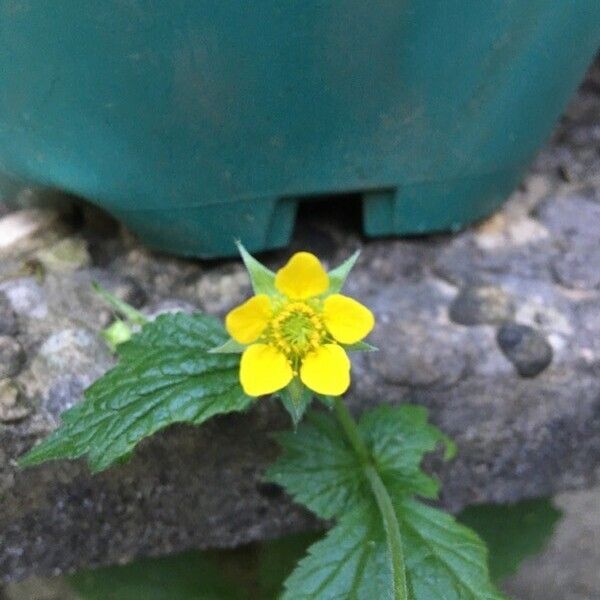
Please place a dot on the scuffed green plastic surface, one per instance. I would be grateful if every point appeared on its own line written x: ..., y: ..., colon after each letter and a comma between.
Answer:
x: 196, y: 122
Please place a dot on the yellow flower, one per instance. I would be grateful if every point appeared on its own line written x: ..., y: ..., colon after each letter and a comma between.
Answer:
x: 299, y: 330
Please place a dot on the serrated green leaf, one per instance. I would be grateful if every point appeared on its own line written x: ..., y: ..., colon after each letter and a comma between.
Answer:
x: 166, y: 375
x: 350, y: 562
x: 338, y: 276
x: 296, y: 398
x: 444, y: 559
x: 360, y: 347
x: 398, y: 438
x: 172, y: 331
x: 228, y: 347
x: 263, y: 279
x: 319, y: 469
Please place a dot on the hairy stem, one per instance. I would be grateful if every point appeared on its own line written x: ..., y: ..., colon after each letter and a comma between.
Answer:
x: 384, y: 502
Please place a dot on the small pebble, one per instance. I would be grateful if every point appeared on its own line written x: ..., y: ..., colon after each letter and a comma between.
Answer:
x: 10, y: 409
x: 526, y: 348
x: 481, y: 304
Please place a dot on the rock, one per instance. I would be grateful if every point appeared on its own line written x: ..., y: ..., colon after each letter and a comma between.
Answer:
x: 479, y: 304
x: 525, y: 347
x: 26, y: 296
x: 69, y: 254
x: 584, y: 167
x: 421, y: 355
x: 27, y: 223
x: 66, y: 363
x: 11, y: 356
x: 578, y: 267
x: 499, y: 231
x: 572, y: 217
x: 8, y: 318
x: 10, y: 409
x: 217, y: 292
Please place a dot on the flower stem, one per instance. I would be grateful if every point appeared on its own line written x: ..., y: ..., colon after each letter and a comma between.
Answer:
x: 351, y: 430
x: 384, y: 502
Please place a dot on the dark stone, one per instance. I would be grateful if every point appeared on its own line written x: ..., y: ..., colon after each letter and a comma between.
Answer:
x: 525, y: 347
x: 12, y: 356
x: 481, y: 304
x: 8, y: 318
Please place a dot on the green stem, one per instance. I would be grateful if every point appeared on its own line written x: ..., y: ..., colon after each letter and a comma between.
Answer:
x: 351, y: 430
x: 392, y: 530
x: 124, y: 309
x: 384, y: 502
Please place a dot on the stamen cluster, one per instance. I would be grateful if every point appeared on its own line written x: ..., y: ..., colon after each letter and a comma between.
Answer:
x: 296, y: 329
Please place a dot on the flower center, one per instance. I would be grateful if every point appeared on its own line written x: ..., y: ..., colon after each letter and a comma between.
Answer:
x: 297, y: 328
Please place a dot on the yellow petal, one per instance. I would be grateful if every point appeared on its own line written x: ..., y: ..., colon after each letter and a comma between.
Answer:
x: 264, y: 370
x: 347, y: 320
x: 303, y: 277
x: 246, y: 322
x: 326, y: 370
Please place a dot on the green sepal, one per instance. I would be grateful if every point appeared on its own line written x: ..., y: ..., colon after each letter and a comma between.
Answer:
x: 296, y: 398
x: 262, y: 279
x: 228, y: 347
x: 359, y: 347
x: 338, y: 276
x: 326, y: 401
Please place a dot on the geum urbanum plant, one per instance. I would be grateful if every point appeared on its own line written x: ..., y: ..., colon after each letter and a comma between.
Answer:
x: 292, y: 338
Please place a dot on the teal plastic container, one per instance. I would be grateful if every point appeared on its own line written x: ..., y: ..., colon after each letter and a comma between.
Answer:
x: 198, y: 122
